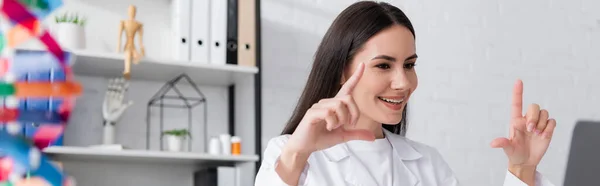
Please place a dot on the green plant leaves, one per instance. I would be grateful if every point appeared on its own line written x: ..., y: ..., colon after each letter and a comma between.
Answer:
x: 71, y: 18
x: 177, y: 132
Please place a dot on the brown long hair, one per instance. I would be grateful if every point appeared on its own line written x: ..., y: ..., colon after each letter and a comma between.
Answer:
x: 347, y: 34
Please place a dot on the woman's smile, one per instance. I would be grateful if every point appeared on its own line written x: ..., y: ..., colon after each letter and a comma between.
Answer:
x: 395, y: 103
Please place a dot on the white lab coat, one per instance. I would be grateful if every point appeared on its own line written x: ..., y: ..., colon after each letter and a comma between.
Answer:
x: 336, y: 166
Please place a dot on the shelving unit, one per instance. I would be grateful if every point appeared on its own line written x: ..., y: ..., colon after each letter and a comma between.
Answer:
x: 111, y: 65
x: 108, y: 65
x: 244, y: 103
x: 143, y: 156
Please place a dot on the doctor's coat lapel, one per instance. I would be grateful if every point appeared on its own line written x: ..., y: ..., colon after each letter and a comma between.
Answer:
x: 355, y: 173
x: 406, y: 155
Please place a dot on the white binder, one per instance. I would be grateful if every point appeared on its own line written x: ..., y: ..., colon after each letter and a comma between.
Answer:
x: 180, y: 20
x: 200, y: 23
x: 218, y: 31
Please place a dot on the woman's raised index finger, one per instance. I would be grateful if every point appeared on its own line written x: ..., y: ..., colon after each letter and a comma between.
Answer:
x: 353, y: 80
x: 517, y: 100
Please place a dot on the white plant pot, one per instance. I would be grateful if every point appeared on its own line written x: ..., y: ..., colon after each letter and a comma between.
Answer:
x: 174, y: 143
x: 70, y: 36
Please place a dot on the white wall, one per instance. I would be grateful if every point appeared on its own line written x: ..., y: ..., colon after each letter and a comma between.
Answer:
x: 470, y: 54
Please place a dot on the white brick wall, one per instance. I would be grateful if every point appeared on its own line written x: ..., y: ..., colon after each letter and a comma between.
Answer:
x: 471, y: 52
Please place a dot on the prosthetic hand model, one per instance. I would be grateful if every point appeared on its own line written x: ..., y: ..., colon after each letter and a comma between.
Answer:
x: 28, y: 98
x: 113, y: 107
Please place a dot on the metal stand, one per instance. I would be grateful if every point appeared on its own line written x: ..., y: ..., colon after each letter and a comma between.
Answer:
x: 158, y: 100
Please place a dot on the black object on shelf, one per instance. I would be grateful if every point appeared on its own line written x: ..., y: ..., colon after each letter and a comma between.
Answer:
x: 171, y: 97
x: 206, y: 177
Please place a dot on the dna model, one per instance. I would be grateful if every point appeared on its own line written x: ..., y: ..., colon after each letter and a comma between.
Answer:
x: 37, y: 94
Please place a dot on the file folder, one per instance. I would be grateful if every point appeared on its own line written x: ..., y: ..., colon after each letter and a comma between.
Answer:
x: 200, y: 43
x: 180, y: 20
x: 247, y: 32
x: 232, y: 31
x: 218, y: 31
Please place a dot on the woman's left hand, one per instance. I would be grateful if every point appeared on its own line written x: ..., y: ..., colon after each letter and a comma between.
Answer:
x: 529, y: 137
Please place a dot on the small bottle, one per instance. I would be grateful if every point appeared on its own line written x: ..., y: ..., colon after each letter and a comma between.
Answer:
x: 236, y: 145
x: 225, y: 144
x: 214, y: 146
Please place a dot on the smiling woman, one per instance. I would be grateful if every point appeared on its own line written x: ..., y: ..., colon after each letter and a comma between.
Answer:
x: 344, y: 39
x: 348, y: 126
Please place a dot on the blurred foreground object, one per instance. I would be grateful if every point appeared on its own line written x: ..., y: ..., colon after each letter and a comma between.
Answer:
x: 22, y: 163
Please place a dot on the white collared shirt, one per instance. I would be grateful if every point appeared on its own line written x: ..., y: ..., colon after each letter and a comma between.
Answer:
x: 413, y: 164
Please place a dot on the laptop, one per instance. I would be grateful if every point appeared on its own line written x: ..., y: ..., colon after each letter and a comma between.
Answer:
x: 583, y: 165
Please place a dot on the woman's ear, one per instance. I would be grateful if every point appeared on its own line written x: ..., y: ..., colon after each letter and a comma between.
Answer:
x: 343, y: 80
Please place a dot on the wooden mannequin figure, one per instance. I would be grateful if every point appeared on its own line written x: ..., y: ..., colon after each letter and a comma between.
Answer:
x: 131, y: 27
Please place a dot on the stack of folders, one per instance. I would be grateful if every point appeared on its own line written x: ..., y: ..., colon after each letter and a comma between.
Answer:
x: 214, y: 31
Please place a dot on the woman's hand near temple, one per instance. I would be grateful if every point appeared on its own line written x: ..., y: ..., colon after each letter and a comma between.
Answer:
x: 322, y: 124
x: 322, y: 128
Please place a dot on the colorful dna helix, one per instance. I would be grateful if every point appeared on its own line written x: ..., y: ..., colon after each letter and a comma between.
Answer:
x: 37, y: 94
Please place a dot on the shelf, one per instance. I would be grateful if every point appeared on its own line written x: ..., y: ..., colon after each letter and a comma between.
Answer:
x: 62, y: 153
x: 110, y: 65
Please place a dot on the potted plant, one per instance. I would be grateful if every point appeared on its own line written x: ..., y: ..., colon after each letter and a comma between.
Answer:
x: 70, y: 31
x: 175, y: 139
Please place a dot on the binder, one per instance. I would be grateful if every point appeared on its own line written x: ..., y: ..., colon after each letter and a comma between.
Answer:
x: 180, y: 20
x: 200, y: 43
x: 218, y: 31
x: 232, y: 31
x: 247, y: 33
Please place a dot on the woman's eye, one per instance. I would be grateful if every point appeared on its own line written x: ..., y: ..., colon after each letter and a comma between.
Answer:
x: 410, y: 65
x: 383, y: 66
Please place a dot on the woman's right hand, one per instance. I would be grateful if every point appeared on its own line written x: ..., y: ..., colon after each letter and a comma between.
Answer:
x: 322, y: 125
x: 321, y: 128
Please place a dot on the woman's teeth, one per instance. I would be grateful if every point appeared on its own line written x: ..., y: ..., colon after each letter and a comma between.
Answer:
x: 394, y: 101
